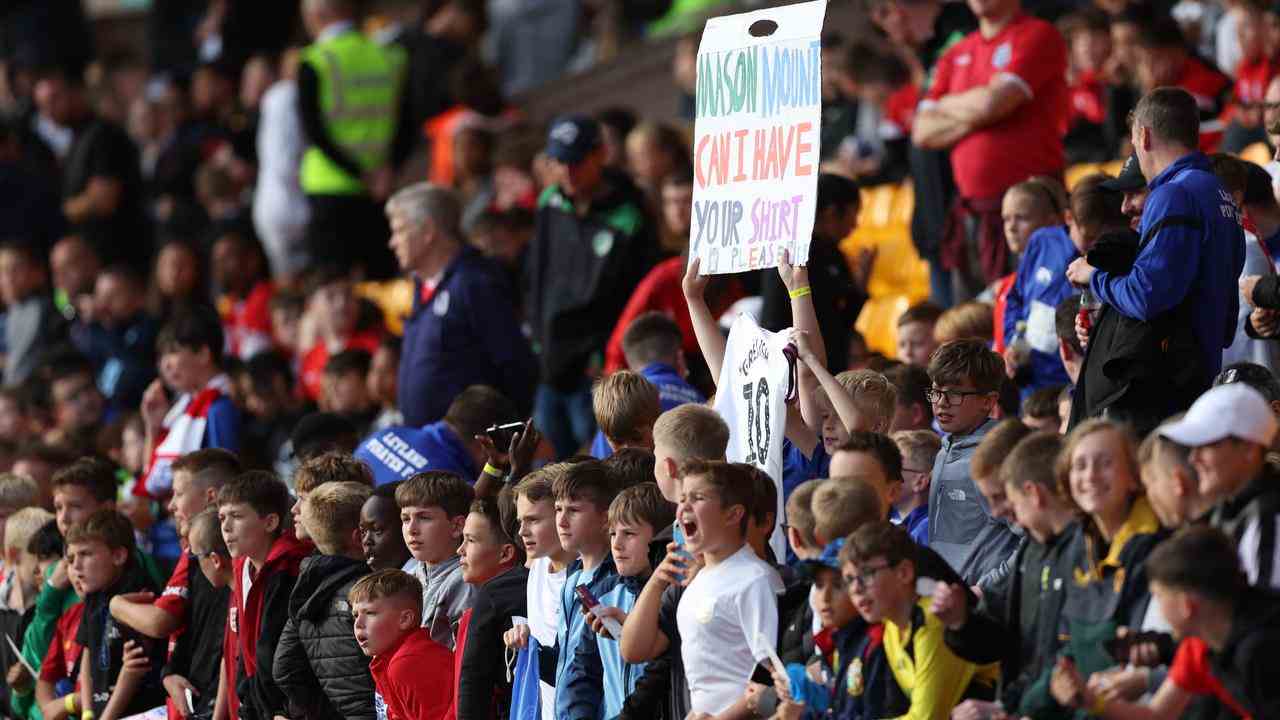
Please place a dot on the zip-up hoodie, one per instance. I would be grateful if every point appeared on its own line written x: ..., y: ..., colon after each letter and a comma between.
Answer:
x: 598, y: 665
x: 445, y: 596
x: 579, y: 699
x: 484, y: 693
x: 318, y: 664
x: 961, y: 528
x: 259, y: 620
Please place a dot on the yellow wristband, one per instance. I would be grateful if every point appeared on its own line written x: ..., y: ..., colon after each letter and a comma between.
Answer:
x: 494, y: 472
x: 70, y: 703
x: 1099, y: 706
x: 801, y: 292
x: 86, y: 715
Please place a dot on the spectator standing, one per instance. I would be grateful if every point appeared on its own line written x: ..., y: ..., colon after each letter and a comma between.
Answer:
x: 591, y: 246
x: 280, y: 211
x: 349, y: 100
x: 463, y: 329
x: 101, y: 180
x: 1193, y: 246
x: 1002, y: 86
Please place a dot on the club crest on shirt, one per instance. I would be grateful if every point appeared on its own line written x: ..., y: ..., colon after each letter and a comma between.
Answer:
x: 602, y: 243
x: 441, y: 304
x: 853, y: 680
x: 963, y: 60
x: 234, y: 619
x: 1044, y: 275
x: 1003, y: 54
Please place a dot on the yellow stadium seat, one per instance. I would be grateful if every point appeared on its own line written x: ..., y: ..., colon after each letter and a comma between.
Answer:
x: 1257, y: 153
x: 899, y: 277
x: 1112, y: 168
x: 1074, y: 173
x: 393, y: 297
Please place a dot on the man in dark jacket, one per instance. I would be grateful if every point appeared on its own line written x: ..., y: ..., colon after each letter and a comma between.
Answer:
x: 318, y: 664
x: 493, y: 565
x: 1192, y: 245
x: 592, y: 244
x: 464, y: 329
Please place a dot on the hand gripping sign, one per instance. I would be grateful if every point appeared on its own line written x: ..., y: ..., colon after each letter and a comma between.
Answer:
x: 755, y: 148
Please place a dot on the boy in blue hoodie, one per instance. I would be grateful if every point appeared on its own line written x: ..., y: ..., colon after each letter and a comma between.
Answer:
x: 635, y: 517
x: 583, y: 496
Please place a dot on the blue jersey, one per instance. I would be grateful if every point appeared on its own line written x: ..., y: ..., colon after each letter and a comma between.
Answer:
x: 398, y: 453
x: 1041, y: 284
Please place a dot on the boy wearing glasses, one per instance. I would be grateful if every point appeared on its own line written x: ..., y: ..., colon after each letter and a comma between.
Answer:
x: 879, y: 563
x: 965, y: 376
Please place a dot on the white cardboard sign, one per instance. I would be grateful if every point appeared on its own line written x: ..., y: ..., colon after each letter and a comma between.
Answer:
x: 756, y: 137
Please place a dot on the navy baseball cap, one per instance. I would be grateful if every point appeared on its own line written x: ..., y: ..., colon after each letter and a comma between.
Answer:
x: 1130, y: 178
x: 572, y: 138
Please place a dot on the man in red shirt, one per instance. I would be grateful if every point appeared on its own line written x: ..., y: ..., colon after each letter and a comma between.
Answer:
x: 1165, y: 61
x: 239, y: 268
x: 999, y: 100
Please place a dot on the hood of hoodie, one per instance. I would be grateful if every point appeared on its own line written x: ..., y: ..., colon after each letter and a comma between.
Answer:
x: 319, y: 578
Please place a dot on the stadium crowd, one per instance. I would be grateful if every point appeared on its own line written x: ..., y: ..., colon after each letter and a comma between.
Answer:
x: 337, y: 386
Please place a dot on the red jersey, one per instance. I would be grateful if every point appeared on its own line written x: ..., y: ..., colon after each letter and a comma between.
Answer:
x: 317, y: 357
x: 900, y: 112
x: 64, y: 652
x: 997, y: 311
x: 1028, y: 141
x: 1208, y: 87
x: 1088, y: 99
x: 1252, y: 78
x: 409, y: 678
x: 173, y: 599
x: 1192, y: 672
x: 246, y: 322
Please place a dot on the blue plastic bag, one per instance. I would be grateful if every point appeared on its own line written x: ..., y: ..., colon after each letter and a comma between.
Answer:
x: 526, y: 696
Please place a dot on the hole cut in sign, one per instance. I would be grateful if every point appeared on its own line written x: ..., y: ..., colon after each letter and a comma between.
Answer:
x: 763, y: 28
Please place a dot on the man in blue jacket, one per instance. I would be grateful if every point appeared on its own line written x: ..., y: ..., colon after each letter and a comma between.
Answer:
x: 464, y: 329
x: 1192, y: 244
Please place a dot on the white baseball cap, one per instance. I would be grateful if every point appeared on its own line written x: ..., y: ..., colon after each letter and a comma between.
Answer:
x: 1233, y: 410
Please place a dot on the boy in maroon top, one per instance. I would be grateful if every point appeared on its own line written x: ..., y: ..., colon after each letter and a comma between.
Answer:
x: 407, y: 666
x: 999, y: 100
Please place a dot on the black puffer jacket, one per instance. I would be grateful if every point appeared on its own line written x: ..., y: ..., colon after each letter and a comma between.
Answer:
x: 318, y: 664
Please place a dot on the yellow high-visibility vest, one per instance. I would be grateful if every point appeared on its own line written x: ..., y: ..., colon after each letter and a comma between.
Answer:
x: 359, y: 84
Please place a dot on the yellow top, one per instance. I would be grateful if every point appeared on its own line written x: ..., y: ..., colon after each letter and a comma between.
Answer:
x: 932, y: 676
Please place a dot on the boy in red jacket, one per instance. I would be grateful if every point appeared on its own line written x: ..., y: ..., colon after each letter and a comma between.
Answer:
x: 407, y: 664
x: 254, y: 512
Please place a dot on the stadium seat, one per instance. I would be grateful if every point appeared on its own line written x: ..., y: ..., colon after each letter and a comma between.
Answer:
x: 899, y: 277
x: 393, y: 297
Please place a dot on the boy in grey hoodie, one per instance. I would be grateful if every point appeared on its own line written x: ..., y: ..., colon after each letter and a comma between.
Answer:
x: 965, y: 377
x: 433, y: 509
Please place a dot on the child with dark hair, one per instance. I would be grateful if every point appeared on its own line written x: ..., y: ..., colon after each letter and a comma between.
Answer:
x: 254, y: 510
x: 203, y: 415
x: 493, y: 564
x: 881, y: 564
x: 336, y: 310
x: 119, y: 668
x: 1040, y: 409
x: 380, y: 535
x: 382, y: 382
x: 346, y: 388
x: 965, y: 378
x: 631, y: 466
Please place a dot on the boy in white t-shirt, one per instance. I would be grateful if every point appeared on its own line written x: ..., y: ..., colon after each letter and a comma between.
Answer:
x: 728, y: 616
x: 536, y: 511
